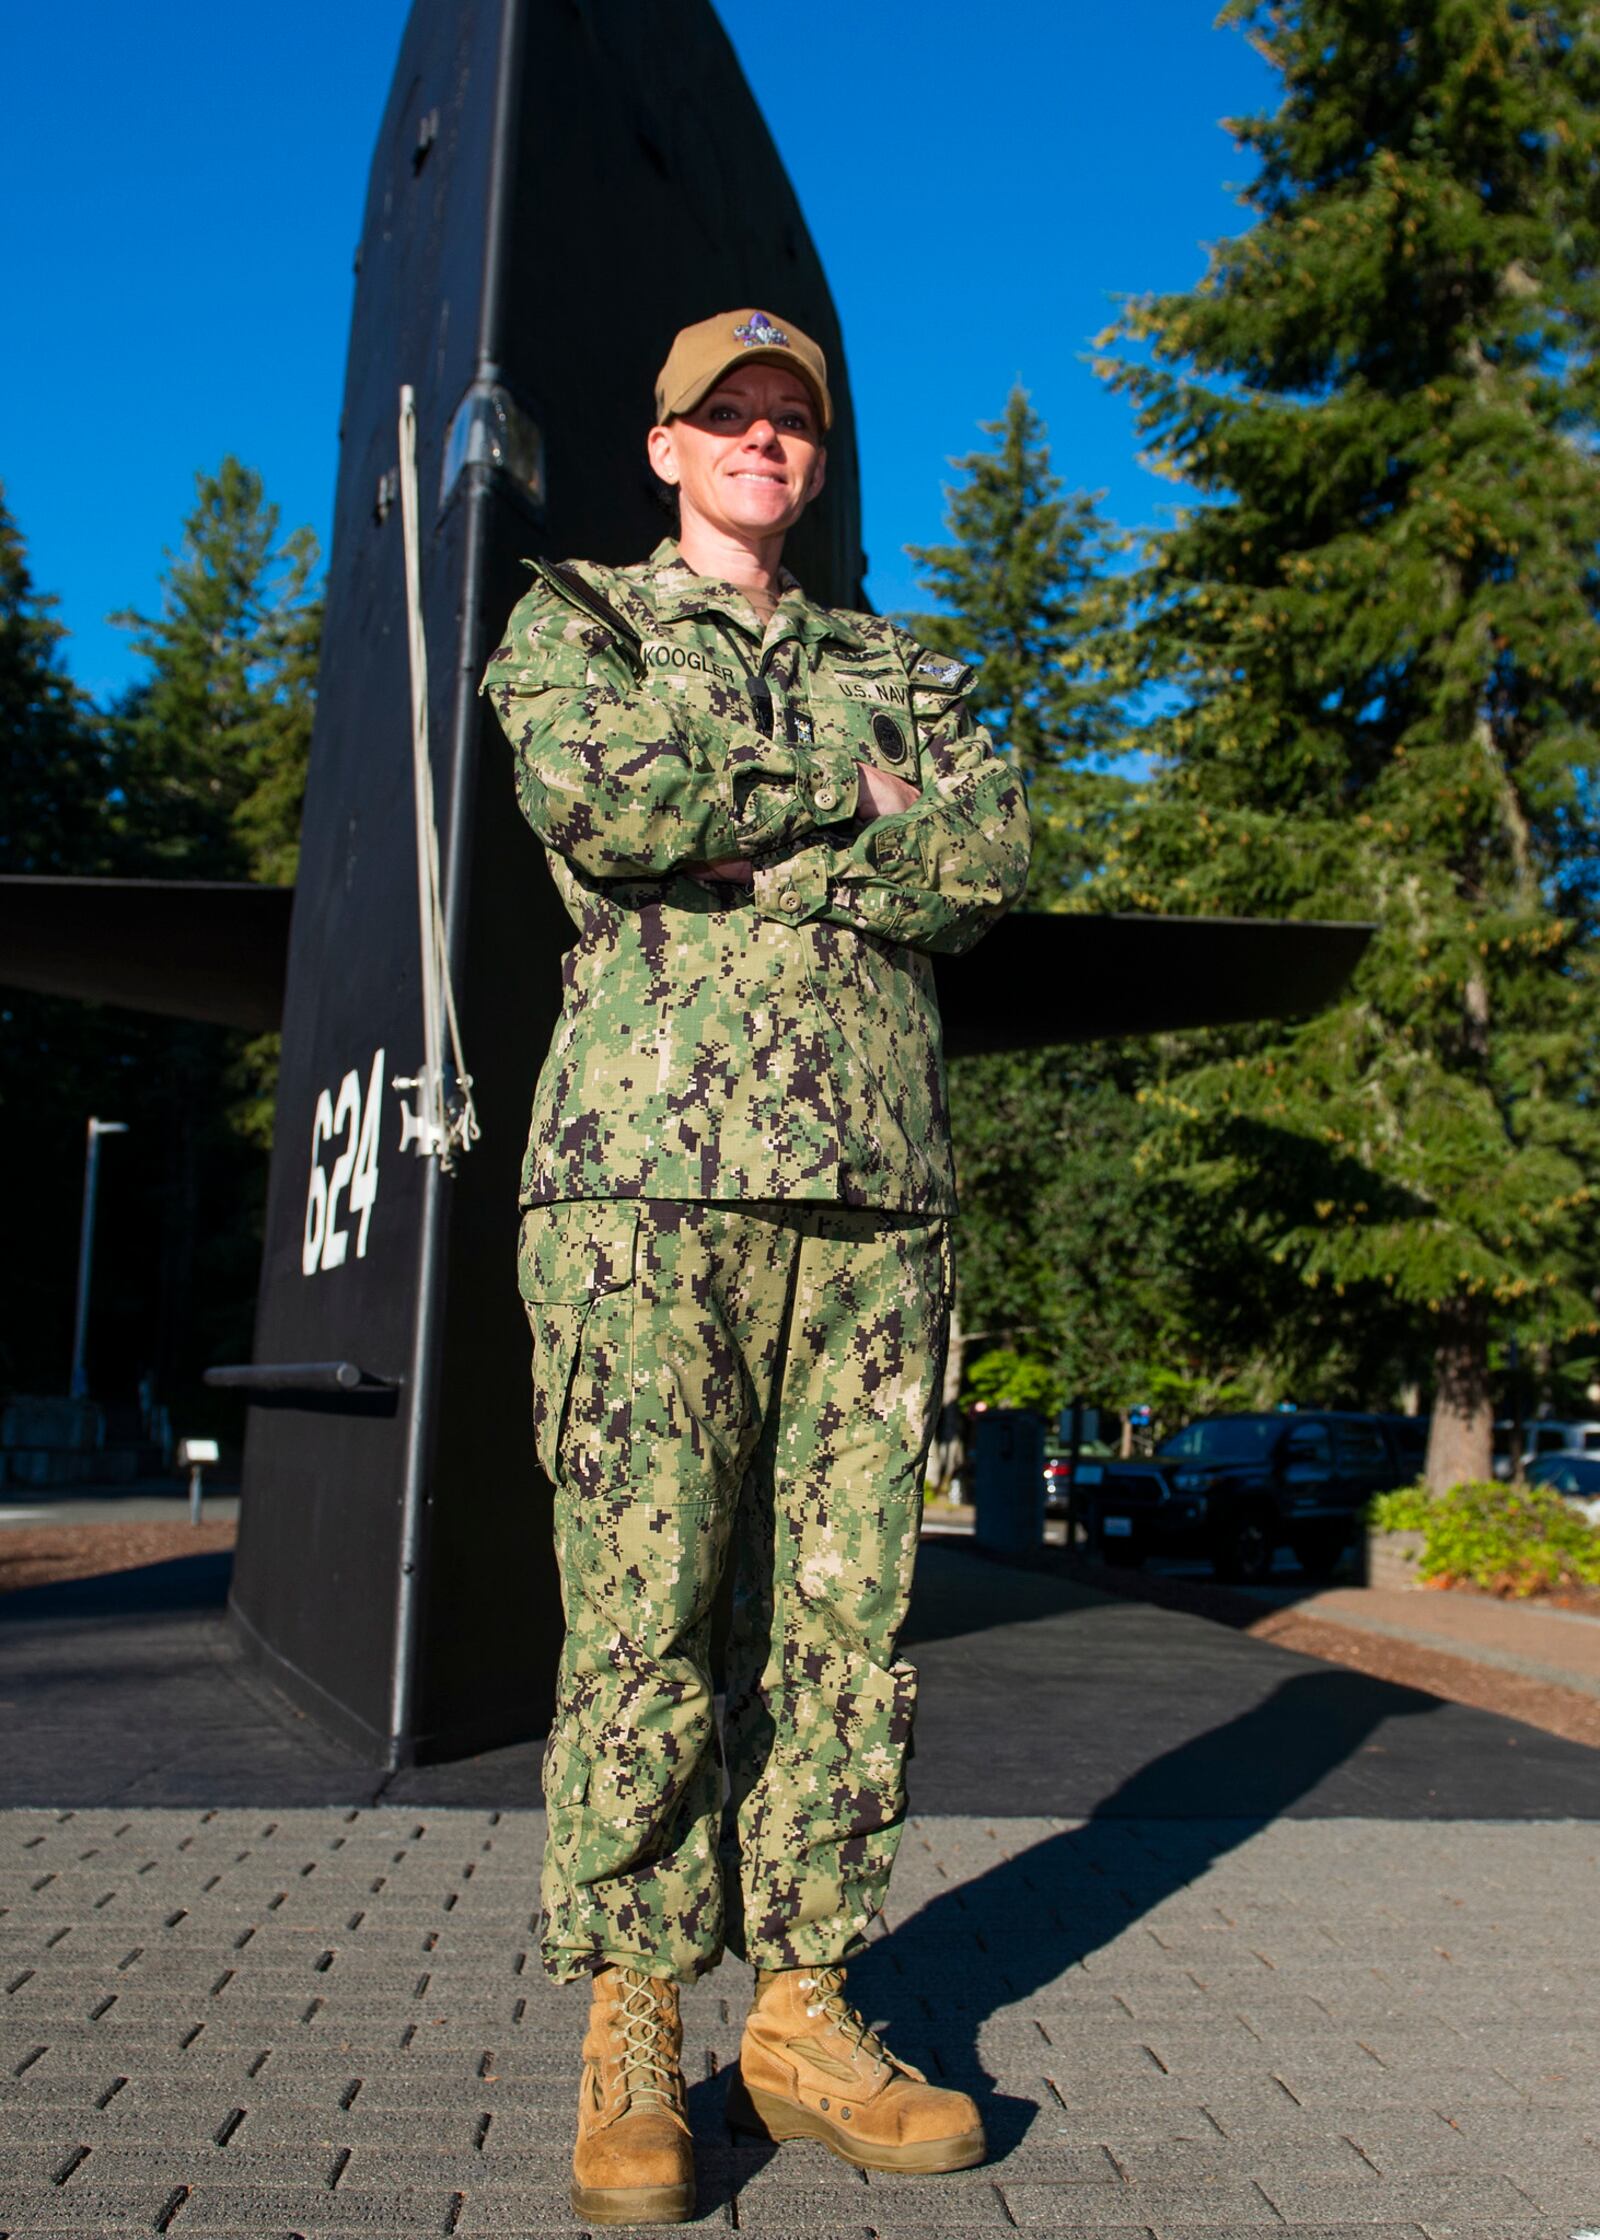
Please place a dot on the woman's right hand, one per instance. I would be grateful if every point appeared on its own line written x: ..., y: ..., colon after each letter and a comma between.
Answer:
x: 882, y: 794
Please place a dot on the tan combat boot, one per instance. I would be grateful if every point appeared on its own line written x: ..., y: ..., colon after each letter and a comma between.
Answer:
x: 809, y: 2068
x: 634, y: 2161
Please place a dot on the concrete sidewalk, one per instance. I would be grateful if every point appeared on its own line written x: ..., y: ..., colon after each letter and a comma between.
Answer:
x: 1531, y: 1638
x: 146, y: 1501
x: 1226, y: 1940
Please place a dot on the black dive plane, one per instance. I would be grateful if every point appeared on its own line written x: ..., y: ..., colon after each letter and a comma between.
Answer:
x: 558, y: 185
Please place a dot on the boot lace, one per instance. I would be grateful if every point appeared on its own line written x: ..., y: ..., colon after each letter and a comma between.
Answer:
x: 825, y: 1999
x: 646, y: 2064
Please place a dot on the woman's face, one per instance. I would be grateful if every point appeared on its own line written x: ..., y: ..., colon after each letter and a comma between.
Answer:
x: 748, y: 459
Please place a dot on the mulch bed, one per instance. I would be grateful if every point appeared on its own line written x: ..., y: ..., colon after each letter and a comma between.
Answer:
x: 39, y: 1555
x: 1585, y: 1600
x: 1537, y: 1703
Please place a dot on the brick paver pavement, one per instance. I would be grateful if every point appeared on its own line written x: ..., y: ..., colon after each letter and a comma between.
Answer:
x: 332, y: 2022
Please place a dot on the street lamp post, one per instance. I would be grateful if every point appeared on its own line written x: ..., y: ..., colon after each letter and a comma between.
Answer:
x: 79, y: 1387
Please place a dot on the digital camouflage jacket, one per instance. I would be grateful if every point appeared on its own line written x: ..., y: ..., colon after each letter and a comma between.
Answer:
x: 779, y: 1040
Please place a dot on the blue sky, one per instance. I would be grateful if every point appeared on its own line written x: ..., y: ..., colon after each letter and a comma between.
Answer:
x: 183, y: 185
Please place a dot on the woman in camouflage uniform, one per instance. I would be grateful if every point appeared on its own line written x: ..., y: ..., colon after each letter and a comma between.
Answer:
x: 763, y: 815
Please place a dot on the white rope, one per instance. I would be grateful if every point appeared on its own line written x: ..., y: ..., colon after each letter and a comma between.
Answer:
x: 444, y: 1127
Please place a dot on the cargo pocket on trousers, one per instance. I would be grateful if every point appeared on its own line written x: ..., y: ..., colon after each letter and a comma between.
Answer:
x: 575, y: 1273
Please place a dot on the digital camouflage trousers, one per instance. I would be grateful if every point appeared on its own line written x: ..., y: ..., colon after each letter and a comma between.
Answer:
x: 719, y: 1383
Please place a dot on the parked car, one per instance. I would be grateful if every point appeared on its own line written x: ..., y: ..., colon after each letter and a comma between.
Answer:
x: 1058, y: 1472
x: 1577, y: 1476
x: 1235, y: 1489
x: 1409, y: 1437
x: 1543, y: 1435
x: 1057, y: 1484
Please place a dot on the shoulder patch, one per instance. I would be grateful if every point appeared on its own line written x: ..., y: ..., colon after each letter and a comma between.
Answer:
x: 938, y: 669
x: 572, y: 582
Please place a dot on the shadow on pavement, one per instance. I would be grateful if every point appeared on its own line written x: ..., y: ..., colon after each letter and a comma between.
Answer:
x: 1040, y: 1697
x: 149, y: 1590
x: 1008, y: 1933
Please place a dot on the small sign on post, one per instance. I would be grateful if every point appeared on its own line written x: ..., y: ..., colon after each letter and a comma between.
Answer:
x: 193, y: 1455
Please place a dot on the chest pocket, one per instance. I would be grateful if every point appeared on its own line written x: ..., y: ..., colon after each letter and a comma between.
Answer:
x: 868, y: 710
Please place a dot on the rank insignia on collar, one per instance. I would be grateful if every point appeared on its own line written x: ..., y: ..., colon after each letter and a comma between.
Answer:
x: 941, y: 672
x: 758, y: 332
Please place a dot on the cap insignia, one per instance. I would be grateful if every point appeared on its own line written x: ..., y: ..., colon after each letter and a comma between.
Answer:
x: 758, y: 332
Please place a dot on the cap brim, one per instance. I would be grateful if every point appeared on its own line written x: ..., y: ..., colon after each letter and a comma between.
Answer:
x: 771, y: 354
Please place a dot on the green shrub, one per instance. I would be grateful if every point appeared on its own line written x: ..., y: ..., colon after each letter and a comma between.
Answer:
x: 1004, y: 1378
x: 1404, y: 1511
x: 1510, y: 1540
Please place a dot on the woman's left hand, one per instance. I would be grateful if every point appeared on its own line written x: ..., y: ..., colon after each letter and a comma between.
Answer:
x: 734, y: 871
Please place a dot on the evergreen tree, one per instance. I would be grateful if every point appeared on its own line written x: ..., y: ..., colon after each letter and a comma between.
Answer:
x: 1053, y: 1214
x: 1380, y: 625
x: 212, y: 749
x: 1067, y: 1252
x: 1024, y: 592
x: 213, y: 746
x: 199, y: 773
x: 53, y: 822
x: 52, y: 782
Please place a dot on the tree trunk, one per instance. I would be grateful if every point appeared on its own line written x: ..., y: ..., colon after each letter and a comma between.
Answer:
x: 1461, y: 1433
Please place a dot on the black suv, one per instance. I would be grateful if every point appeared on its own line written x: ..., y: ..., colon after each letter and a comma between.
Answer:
x: 1237, y: 1488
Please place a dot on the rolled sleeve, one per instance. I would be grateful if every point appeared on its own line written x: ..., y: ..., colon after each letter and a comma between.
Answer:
x: 786, y: 794
x: 935, y: 876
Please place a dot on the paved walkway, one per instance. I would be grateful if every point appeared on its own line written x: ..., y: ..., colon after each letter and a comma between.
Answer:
x: 1228, y: 1941
x: 331, y: 2023
x: 149, y: 1501
x: 1560, y: 1646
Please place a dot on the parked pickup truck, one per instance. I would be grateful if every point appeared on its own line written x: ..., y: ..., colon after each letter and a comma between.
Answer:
x: 1235, y: 1489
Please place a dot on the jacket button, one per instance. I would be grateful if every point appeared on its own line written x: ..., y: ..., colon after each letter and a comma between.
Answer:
x: 788, y: 900
x: 826, y: 797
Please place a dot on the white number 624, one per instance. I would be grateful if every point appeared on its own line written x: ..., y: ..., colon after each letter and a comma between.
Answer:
x: 355, y: 1169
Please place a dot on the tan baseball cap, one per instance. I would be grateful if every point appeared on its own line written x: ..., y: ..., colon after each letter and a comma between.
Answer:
x: 702, y: 354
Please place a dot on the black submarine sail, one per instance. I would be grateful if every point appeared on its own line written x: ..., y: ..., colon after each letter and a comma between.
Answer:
x: 558, y: 186
x: 556, y: 189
